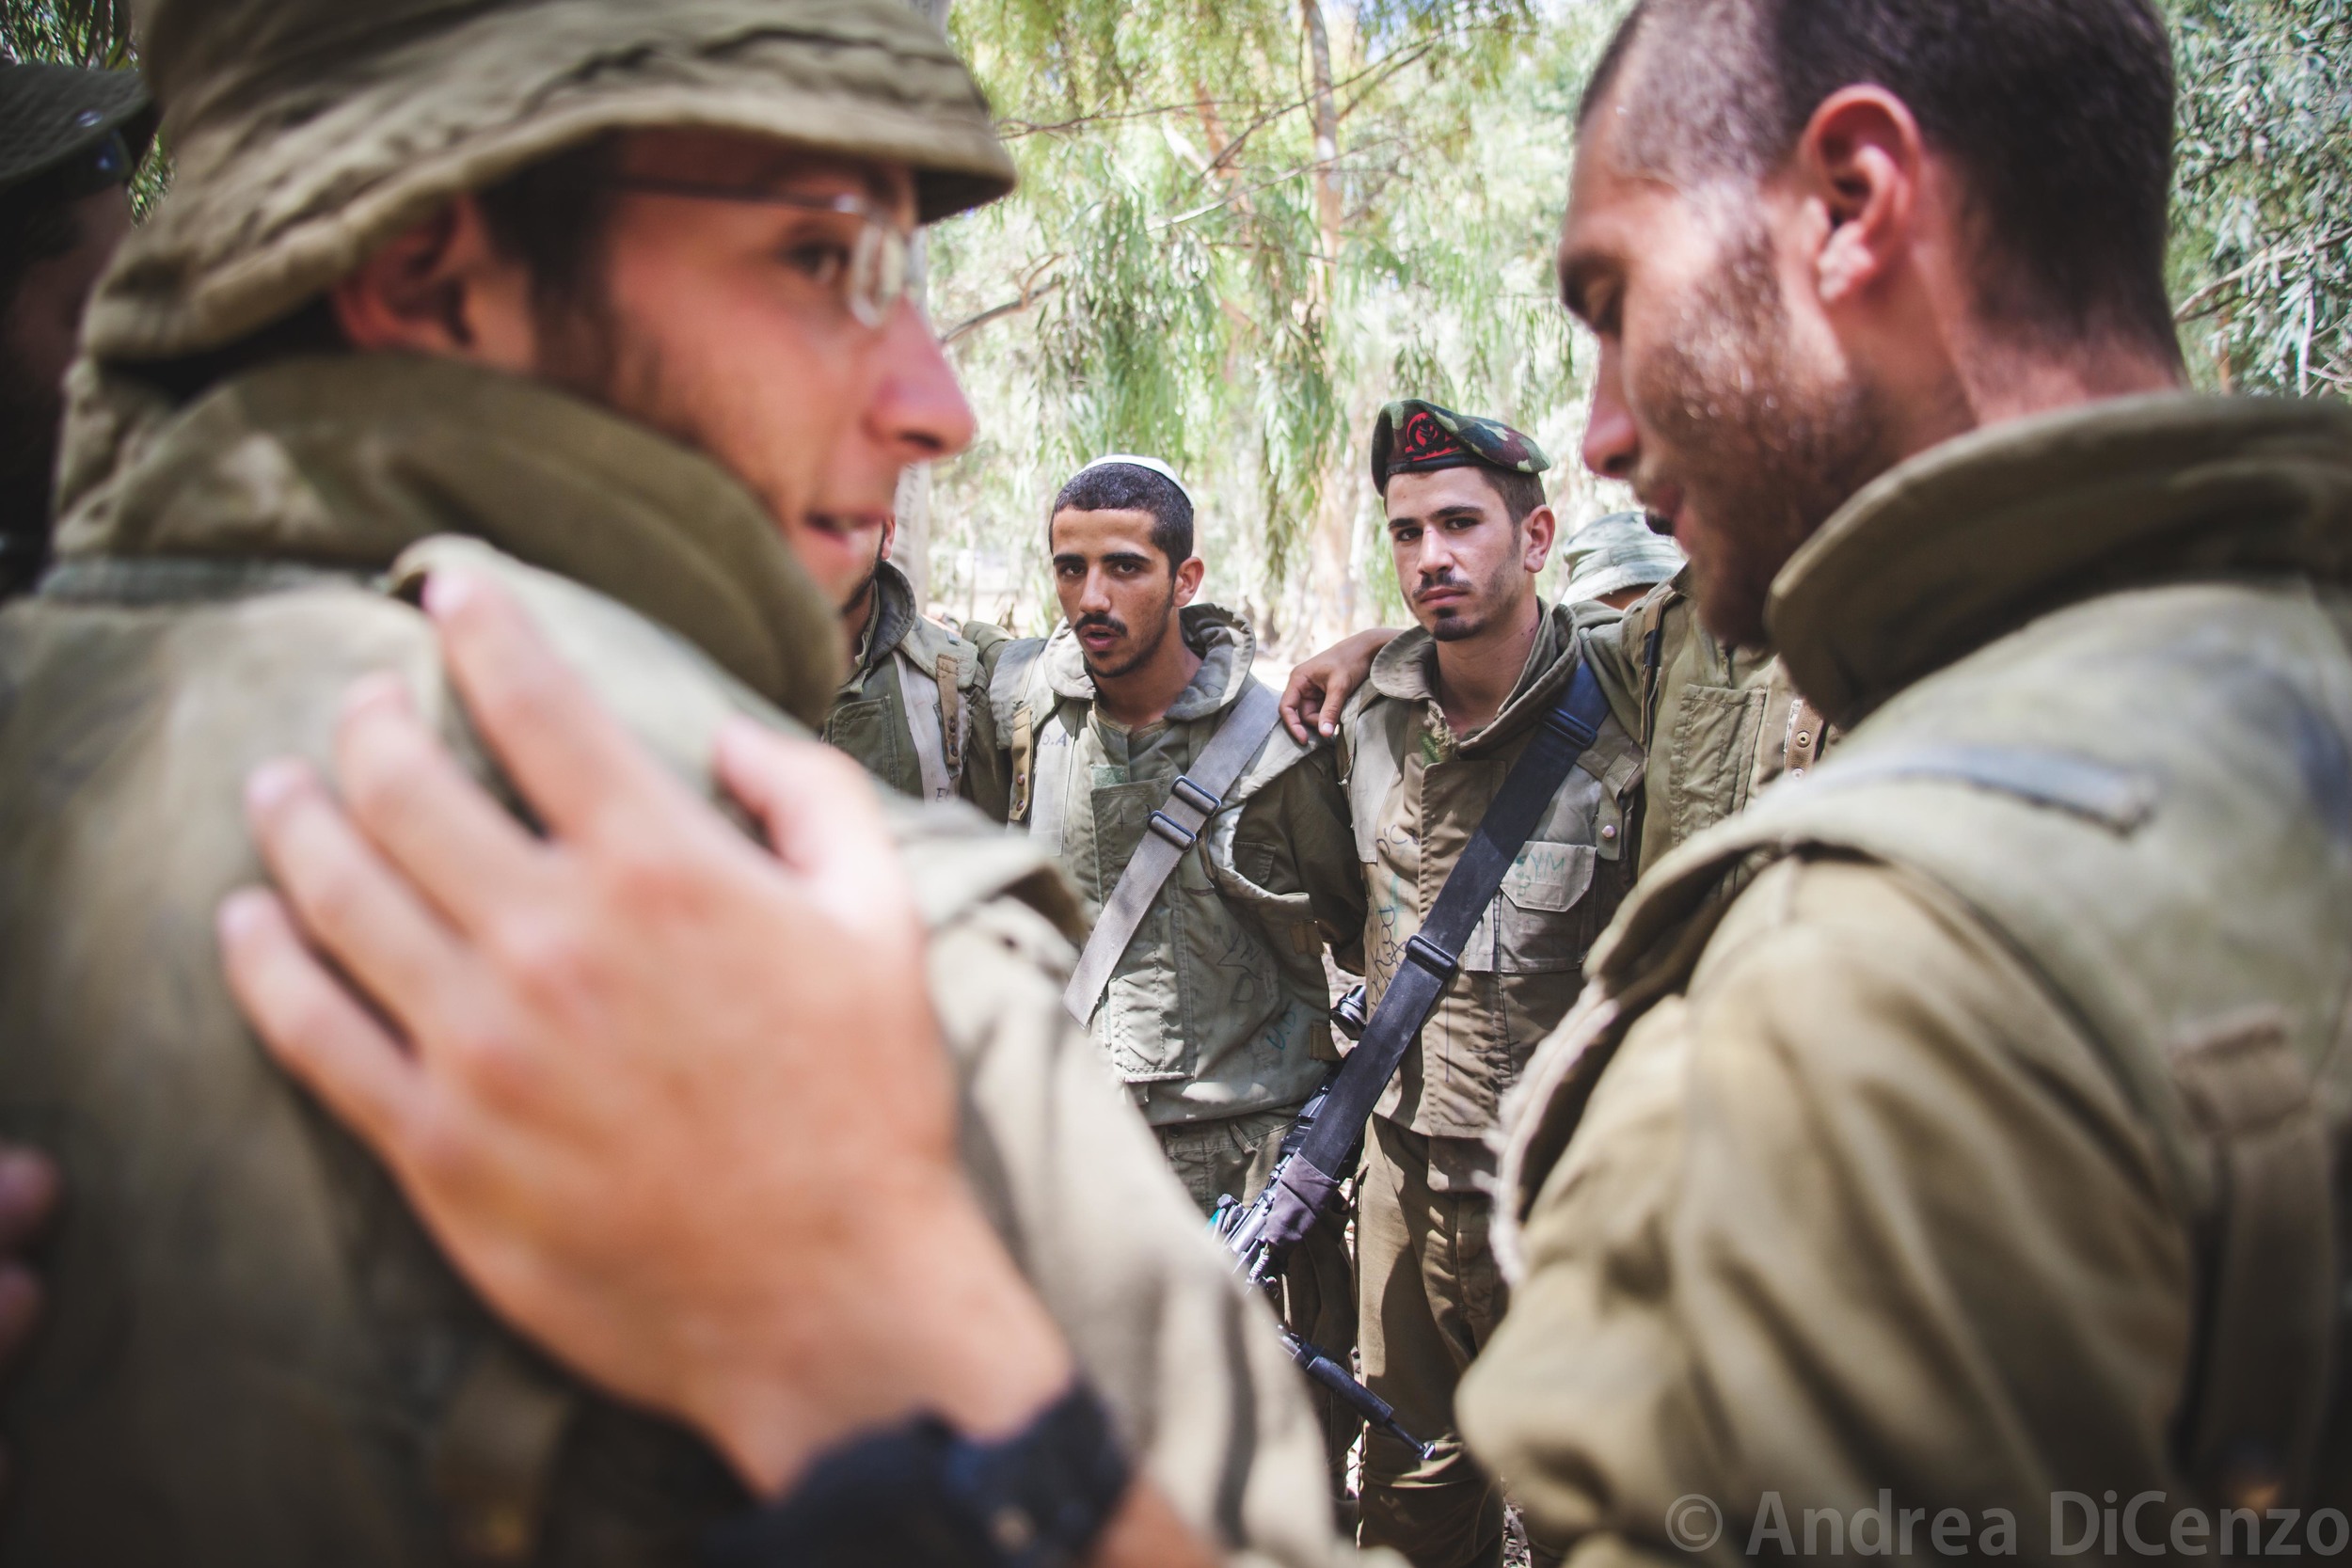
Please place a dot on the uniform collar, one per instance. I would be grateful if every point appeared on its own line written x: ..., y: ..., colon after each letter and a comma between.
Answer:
x: 892, y: 617
x: 1227, y: 647
x: 1406, y: 670
x: 1970, y: 541
x: 345, y: 461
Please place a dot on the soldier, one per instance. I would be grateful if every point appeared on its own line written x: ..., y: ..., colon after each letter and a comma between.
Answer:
x: 1717, y: 723
x: 69, y: 141
x: 1616, y: 560
x: 913, y: 708
x: 1976, y: 1159
x: 1948, y: 1156
x: 1423, y: 751
x: 601, y: 302
x: 1146, y: 759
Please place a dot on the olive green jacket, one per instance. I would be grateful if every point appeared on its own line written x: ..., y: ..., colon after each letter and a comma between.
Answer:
x: 914, y: 709
x: 1219, y: 1006
x: 1415, y: 793
x: 255, y: 1357
x: 1718, y: 723
x: 1981, y: 1149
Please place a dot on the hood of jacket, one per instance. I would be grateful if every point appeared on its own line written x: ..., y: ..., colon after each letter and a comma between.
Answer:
x: 894, y: 616
x: 1225, y: 644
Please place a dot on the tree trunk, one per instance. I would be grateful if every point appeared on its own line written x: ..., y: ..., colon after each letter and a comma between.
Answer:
x: 913, y: 552
x: 1331, y: 596
x: 1326, y: 174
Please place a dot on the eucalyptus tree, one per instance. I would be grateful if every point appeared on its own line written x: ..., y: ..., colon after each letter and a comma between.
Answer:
x: 1244, y: 225
x: 2262, y: 228
x: 70, y: 32
x: 1241, y: 228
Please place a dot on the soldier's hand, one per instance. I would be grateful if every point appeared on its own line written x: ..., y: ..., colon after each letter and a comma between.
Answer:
x: 1319, y: 688
x: 674, y: 1102
x: 29, y: 1195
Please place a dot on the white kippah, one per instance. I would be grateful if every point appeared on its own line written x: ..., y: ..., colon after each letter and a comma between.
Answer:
x: 1151, y: 463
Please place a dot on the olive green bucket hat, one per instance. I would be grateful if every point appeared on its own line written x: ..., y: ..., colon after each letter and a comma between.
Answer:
x: 61, y: 122
x: 307, y: 133
x: 1622, y: 550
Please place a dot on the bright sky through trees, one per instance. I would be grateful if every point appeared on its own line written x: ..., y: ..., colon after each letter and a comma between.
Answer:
x: 1244, y: 225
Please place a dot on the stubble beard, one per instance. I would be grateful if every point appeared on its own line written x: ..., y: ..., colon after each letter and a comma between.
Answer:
x: 857, y: 596
x: 1163, y: 621
x: 590, y: 347
x: 1764, y: 455
x: 1491, y: 601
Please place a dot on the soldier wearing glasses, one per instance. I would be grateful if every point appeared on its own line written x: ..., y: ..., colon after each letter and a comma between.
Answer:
x: 604, y: 302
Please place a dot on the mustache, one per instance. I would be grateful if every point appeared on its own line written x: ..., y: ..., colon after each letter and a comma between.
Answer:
x: 1108, y: 623
x: 1447, y: 578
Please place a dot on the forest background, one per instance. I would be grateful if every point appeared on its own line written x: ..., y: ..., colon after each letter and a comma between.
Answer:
x: 1244, y: 225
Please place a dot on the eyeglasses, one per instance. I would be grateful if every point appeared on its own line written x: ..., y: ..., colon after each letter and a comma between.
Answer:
x: 874, y: 279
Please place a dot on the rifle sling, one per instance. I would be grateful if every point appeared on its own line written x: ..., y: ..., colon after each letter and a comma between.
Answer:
x: 1174, y: 828
x: 1433, y: 956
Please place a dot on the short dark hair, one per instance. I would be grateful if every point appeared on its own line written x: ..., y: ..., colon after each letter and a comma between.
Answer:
x: 1521, y: 493
x: 2059, y: 112
x: 1127, y: 487
x: 553, y: 219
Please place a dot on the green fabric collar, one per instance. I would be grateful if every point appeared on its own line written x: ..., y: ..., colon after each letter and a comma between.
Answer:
x: 1969, y: 541
x: 346, y: 461
x: 1406, y: 670
x: 1227, y: 649
x: 892, y: 618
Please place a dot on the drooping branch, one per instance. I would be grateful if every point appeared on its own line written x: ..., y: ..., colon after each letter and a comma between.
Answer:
x: 2204, y: 299
x: 997, y: 312
x: 94, y: 32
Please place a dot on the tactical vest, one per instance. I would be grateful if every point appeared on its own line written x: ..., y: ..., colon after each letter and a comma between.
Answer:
x: 909, y: 721
x: 2147, y: 798
x: 1217, y: 988
x: 257, y: 1357
x: 1523, y: 964
x: 1719, y: 724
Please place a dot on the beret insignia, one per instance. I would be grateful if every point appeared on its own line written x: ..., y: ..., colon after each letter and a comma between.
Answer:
x: 1414, y: 436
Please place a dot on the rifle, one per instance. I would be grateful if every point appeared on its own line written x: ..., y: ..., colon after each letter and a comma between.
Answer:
x: 1324, y: 1144
x: 1256, y: 1264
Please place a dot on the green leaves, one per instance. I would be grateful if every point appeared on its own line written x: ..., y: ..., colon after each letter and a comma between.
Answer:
x: 76, y: 32
x: 1233, y: 297
x: 2263, y: 223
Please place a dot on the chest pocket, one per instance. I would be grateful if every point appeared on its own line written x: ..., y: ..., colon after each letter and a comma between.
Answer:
x: 1123, y: 813
x: 1544, y: 920
x: 864, y: 730
x: 1716, y: 730
x: 1536, y: 924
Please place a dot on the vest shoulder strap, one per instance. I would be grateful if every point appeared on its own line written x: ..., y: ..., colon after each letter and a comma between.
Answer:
x: 1197, y: 796
x: 1012, y: 703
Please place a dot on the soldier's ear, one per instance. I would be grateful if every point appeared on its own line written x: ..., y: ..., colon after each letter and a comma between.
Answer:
x: 1539, y: 529
x: 1189, y: 576
x: 442, y: 288
x: 1860, y: 163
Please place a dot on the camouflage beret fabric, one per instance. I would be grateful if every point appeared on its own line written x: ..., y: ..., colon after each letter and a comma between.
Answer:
x: 1414, y: 436
x: 1610, y: 554
x: 307, y: 133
